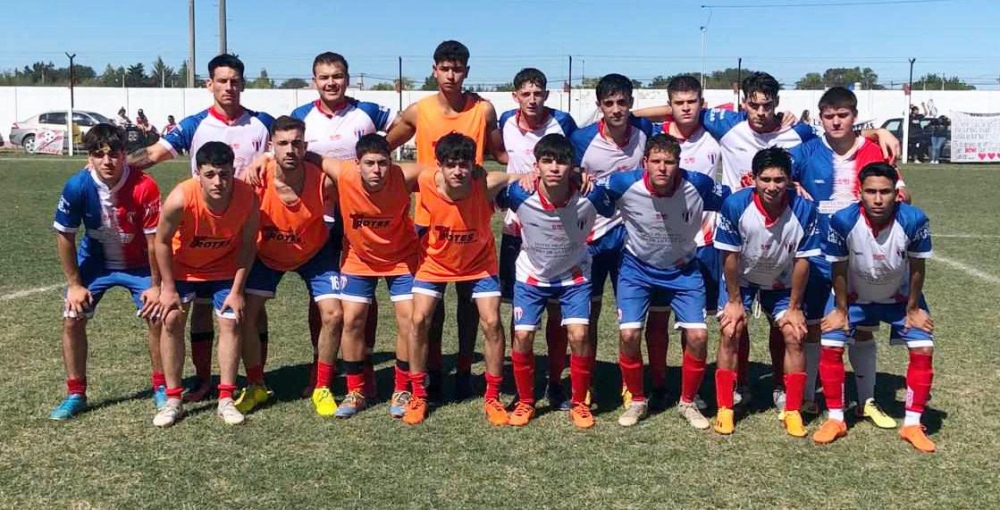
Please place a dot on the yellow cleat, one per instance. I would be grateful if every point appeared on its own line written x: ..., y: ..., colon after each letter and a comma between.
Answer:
x: 725, y: 421
x: 873, y: 412
x: 792, y: 421
x: 626, y: 397
x: 323, y: 401
x: 252, y: 397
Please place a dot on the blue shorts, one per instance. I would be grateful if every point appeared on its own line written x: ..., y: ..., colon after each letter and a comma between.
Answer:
x: 510, y: 248
x: 319, y: 274
x: 869, y: 316
x: 710, y: 263
x: 606, y: 260
x: 530, y: 300
x: 217, y: 291
x: 681, y: 288
x: 819, y: 288
x: 98, y: 280
x: 361, y: 289
x: 774, y: 303
x: 481, y: 288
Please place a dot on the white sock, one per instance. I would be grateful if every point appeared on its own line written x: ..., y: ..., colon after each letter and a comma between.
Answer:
x: 912, y: 418
x: 812, y: 370
x: 836, y: 414
x: 863, y: 356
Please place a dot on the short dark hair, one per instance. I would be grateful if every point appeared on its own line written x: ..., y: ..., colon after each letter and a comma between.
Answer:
x: 555, y: 146
x: 455, y: 147
x: 880, y: 169
x: 662, y: 143
x: 771, y: 157
x: 763, y: 83
x: 286, y: 123
x: 104, y: 134
x: 331, y: 58
x: 215, y: 154
x: 451, y: 51
x: 372, y: 143
x: 838, y: 97
x: 611, y: 84
x: 683, y: 83
x: 225, y: 60
x: 532, y: 76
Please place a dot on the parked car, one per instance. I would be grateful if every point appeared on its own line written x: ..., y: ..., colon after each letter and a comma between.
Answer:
x: 23, y: 133
x: 920, y: 140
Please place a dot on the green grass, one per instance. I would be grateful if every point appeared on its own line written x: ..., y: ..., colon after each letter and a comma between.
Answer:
x: 285, y: 456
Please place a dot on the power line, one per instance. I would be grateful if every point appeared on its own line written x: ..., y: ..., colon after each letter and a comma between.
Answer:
x: 824, y: 4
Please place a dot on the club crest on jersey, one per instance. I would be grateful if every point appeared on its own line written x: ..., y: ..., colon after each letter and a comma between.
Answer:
x: 63, y: 205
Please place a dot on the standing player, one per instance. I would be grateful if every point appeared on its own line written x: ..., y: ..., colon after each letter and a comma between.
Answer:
x: 245, y: 132
x: 119, y: 208
x: 451, y: 110
x: 662, y: 207
x: 458, y: 247
x: 767, y: 234
x: 522, y: 128
x: 204, y: 247
x: 878, y: 249
x: 553, y: 263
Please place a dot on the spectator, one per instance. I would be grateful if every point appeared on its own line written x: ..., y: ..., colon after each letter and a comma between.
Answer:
x: 171, y: 125
x: 940, y: 131
x: 122, y: 119
x: 143, y: 123
x: 918, y: 136
x: 805, y: 118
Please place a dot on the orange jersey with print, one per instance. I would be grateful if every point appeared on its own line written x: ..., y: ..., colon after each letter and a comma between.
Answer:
x: 290, y: 234
x: 378, y: 232
x: 206, y: 244
x: 458, y: 244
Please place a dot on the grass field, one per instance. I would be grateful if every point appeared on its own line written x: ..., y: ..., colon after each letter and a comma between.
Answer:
x: 286, y: 456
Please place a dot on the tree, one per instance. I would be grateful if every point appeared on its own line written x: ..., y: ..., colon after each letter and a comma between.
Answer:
x: 430, y: 83
x: 505, y: 87
x: 135, y: 76
x: 161, y: 75
x: 658, y: 82
x: 811, y: 81
x: 636, y: 84
x: 294, y: 83
x: 262, y: 81
x: 840, y: 77
x: 938, y: 82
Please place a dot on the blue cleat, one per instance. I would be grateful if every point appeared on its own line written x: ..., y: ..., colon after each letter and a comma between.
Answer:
x: 351, y: 404
x: 159, y: 397
x: 557, y: 398
x: 73, y: 404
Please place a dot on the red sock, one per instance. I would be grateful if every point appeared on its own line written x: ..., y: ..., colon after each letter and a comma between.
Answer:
x: 692, y: 372
x: 324, y: 374
x: 795, y: 388
x: 356, y: 382
x: 743, y: 358
x: 402, y: 376
x: 226, y: 391
x: 776, y: 344
x: 725, y: 382
x: 201, y: 354
x: 255, y: 374
x: 418, y: 381
x: 76, y: 386
x: 631, y: 367
x: 555, y: 337
x: 524, y: 375
x: 493, y: 383
x: 175, y: 392
x: 657, y: 347
x: 831, y: 374
x: 580, y: 373
x: 919, y: 375
x: 159, y: 380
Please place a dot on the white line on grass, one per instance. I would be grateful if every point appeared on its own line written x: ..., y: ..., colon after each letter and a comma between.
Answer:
x: 28, y: 292
x: 966, y: 236
x: 971, y: 271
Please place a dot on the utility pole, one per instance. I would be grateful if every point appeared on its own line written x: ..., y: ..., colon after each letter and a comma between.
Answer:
x: 191, y: 64
x: 906, y: 121
x: 223, y: 47
x: 569, y: 84
x: 72, y: 78
x: 69, y: 118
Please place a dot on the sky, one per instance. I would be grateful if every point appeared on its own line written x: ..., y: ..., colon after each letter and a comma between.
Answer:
x: 639, y: 38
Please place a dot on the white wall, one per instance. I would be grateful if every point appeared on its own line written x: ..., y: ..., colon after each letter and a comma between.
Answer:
x: 19, y: 103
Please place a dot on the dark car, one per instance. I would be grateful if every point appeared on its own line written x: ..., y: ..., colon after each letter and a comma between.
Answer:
x: 920, y: 139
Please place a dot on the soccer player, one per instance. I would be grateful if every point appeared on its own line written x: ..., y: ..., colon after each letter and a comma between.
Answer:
x: 766, y: 234
x: 661, y: 206
x: 205, y: 244
x: 522, y: 128
x: 451, y: 110
x: 119, y: 207
x: 293, y: 237
x: 878, y: 249
x: 826, y: 170
x: 457, y: 246
x: 553, y: 264
x: 243, y: 130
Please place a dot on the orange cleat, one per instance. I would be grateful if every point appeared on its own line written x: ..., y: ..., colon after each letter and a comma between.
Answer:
x: 914, y: 434
x: 521, y: 415
x: 416, y: 411
x: 495, y: 412
x: 830, y: 431
x: 581, y: 415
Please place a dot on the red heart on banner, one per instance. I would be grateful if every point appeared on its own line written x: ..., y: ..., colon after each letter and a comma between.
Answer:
x: 991, y: 154
x: 982, y: 156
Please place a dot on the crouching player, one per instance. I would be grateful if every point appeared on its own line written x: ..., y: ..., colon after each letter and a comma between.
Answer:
x: 204, y: 247
x: 119, y: 208
x: 766, y: 234
x: 553, y: 264
x: 879, y: 249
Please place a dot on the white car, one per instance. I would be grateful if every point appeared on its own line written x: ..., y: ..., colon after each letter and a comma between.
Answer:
x: 23, y: 133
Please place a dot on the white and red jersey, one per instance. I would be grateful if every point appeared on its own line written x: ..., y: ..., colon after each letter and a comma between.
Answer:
x: 335, y: 134
x: 247, y: 135
x: 700, y: 153
x: 116, y: 219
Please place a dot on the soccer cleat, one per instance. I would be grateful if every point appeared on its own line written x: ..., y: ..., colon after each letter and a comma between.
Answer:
x: 199, y: 391
x: 792, y: 421
x: 169, y: 413
x: 416, y: 411
x: 521, y: 415
x: 228, y: 412
x: 495, y: 412
x: 581, y: 416
x: 658, y: 399
x: 873, y: 412
x: 557, y: 398
x: 626, y: 398
x: 353, y: 403
x: 830, y: 431
x: 689, y: 411
x: 71, y: 406
x: 725, y: 421
x: 323, y: 401
x: 778, y: 397
x: 159, y: 397
x: 252, y: 397
x: 636, y: 411
x: 397, y: 404
x: 463, y: 386
x: 810, y: 407
x: 700, y: 403
x: 914, y: 434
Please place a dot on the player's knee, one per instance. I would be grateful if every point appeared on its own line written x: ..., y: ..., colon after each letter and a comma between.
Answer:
x: 925, y: 351
x: 631, y: 337
x: 489, y: 323
x: 577, y: 336
x: 332, y: 316
x: 696, y: 338
x: 174, y: 321
x: 422, y: 321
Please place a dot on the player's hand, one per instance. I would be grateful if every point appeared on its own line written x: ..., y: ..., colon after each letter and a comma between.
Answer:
x: 795, y: 320
x: 734, y: 319
x: 903, y: 195
x: 920, y: 319
x: 253, y: 174
x: 891, y: 149
x: 788, y: 119
x: 169, y: 300
x: 528, y: 181
x: 587, y: 182
x: 150, y: 304
x: 235, y: 302
x: 78, y: 301
x: 801, y: 190
x: 834, y: 321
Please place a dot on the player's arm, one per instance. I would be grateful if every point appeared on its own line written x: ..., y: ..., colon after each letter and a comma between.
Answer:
x: 244, y: 259
x: 836, y: 250
x: 405, y: 126
x: 497, y: 182
x: 794, y: 317
x: 654, y: 113
x: 170, y: 219
x: 78, y: 298
x: 411, y: 173
x: 151, y: 297
x: 149, y: 156
x: 329, y: 190
x: 734, y: 316
x: 916, y: 317
x: 891, y: 149
x: 494, y: 137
